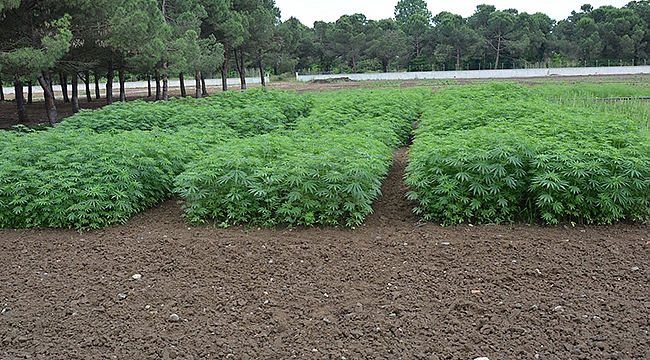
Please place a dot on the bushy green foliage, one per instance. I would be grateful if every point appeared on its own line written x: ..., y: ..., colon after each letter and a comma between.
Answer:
x: 327, y: 179
x: 82, y: 179
x: 474, y: 175
x: 254, y: 112
x: 326, y: 170
x: 135, y: 115
x: 498, y: 152
x: 607, y: 95
x: 490, y: 153
x: 253, y: 157
x: 397, y: 108
x: 589, y: 90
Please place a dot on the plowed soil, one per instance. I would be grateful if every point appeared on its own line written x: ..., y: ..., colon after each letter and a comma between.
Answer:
x: 394, y: 288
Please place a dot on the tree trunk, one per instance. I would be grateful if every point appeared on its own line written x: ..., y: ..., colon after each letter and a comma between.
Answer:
x: 204, y: 90
x: 158, y: 87
x: 50, y: 107
x: 97, y: 92
x: 89, y: 98
x: 165, y: 93
x: 20, y: 102
x: 51, y: 83
x: 109, y: 83
x: 239, y: 62
x: 149, y: 85
x: 122, y: 87
x: 30, y: 92
x: 458, y: 58
x: 197, y: 82
x: 75, y: 93
x: 354, y: 64
x: 2, y: 91
x: 165, y: 90
x: 260, y: 65
x: 64, y: 86
x: 496, y: 63
x: 182, y: 80
x: 224, y: 70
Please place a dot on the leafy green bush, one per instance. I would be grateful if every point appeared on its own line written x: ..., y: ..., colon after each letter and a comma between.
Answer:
x: 491, y: 153
x: 325, y: 170
x: 256, y: 120
x: 250, y: 112
x: 587, y: 90
x: 135, y: 115
x: 395, y: 109
x: 274, y: 178
x: 591, y: 182
x: 81, y: 179
x: 99, y: 168
x: 477, y: 175
x: 498, y: 152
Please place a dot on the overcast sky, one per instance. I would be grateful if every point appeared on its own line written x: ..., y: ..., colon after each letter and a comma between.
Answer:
x: 330, y: 10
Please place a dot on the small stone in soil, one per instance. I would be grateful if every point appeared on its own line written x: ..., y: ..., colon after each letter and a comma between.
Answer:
x: 174, y: 318
x: 121, y: 296
x: 445, y: 244
x: 136, y: 277
x: 558, y: 308
x: 378, y: 238
x: 636, y: 268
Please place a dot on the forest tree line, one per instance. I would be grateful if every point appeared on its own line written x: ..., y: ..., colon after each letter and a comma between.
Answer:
x: 48, y: 41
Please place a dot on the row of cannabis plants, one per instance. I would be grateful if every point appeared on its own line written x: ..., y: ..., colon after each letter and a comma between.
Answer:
x: 251, y: 157
x: 501, y: 152
x: 100, y: 167
x: 325, y: 170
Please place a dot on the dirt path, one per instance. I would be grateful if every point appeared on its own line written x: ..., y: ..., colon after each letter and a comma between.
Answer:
x: 387, y: 290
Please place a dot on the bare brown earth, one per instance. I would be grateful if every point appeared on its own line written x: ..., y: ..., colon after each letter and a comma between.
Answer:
x: 394, y: 288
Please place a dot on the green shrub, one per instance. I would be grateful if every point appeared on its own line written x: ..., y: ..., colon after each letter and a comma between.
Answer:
x: 498, y: 152
x: 325, y: 170
x: 251, y: 112
x: 270, y: 179
x: 477, y: 175
x: 398, y: 109
x: 81, y: 179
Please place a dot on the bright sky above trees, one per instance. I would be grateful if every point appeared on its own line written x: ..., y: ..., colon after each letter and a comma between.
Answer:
x: 308, y: 11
